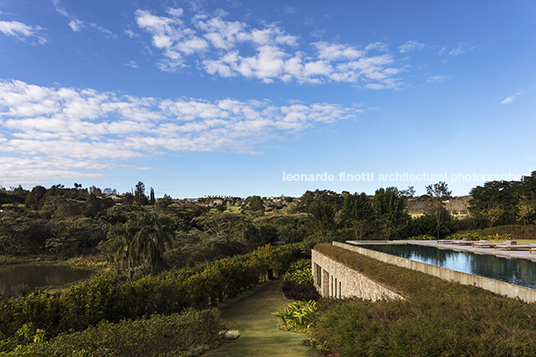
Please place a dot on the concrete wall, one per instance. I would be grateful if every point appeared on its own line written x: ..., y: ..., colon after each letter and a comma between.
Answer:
x: 498, y: 287
x: 333, y: 279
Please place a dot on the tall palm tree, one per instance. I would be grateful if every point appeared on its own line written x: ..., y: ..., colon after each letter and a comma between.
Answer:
x: 120, y: 244
x: 151, y: 238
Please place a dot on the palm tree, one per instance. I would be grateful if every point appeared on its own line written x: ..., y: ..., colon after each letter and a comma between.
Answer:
x: 120, y: 244
x: 151, y: 238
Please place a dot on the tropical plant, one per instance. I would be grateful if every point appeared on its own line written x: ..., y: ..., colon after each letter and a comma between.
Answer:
x: 299, y: 273
x: 298, y: 316
x: 120, y: 244
x: 151, y: 239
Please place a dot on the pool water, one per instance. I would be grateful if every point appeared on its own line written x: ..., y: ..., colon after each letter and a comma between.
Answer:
x: 519, y: 271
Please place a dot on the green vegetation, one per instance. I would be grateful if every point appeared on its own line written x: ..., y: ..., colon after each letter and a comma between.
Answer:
x: 298, y: 316
x: 299, y: 272
x: 185, y: 334
x: 111, y: 298
x: 298, y: 282
x: 438, y: 318
x: 165, y: 257
x: 252, y: 315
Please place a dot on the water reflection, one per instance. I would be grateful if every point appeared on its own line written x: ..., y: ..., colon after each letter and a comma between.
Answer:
x: 515, y: 271
x: 35, y: 276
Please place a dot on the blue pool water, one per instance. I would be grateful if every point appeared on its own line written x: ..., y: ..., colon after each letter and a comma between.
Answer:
x: 514, y: 271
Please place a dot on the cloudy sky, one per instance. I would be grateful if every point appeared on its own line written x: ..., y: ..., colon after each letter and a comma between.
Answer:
x: 240, y: 98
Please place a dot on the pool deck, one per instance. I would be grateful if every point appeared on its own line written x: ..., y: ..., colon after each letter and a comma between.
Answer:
x: 509, y: 254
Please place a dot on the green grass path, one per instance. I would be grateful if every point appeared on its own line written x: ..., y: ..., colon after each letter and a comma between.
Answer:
x: 251, y: 314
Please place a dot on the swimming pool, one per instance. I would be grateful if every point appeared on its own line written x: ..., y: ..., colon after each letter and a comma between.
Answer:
x: 518, y: 271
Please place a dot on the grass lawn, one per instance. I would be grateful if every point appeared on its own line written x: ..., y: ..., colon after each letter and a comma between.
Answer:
x: 251, y: 314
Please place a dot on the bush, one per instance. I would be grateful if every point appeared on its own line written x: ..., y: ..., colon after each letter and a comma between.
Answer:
x: 300, y: 292
x: 108, y: 297
x: 298, y: 316
x: 187, y: 334
x: 516, y: 232
x: 299, y: 272
x: 438, y: 318
x: 423, y: 237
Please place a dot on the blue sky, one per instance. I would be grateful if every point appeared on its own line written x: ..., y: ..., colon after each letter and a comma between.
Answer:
x: 241, y: 98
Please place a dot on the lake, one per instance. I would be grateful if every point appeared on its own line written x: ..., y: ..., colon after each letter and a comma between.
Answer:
x: 38, y: 275
x: 519, y: 271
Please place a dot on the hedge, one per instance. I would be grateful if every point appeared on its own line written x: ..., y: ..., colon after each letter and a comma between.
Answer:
x: 112, y: 298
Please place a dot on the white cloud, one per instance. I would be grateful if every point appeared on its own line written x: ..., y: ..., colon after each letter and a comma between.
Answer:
x: 460, y: 49
x: 513, y: 97
x: 22, y: 31
x: 411, y: 46
x: 46, y: 129
x: 76, y: 24
x: 438, y: 78
x: 29, y: 171
x: 132, y: 64
x: 131, y: 33
x: 233, y: 48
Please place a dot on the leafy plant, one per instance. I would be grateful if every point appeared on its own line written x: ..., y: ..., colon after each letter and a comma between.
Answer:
x: 23, y: 289
x: 298, y: 316
x: 299, y: 272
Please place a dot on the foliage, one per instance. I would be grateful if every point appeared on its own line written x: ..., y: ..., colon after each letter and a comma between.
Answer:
x: 298, y: 316
x: 303, y: 292
x: 299, y: 273
x: 471, y: 235
x: 438, y: 318
x: 253, y: 204
x: 107, y: 297
x: 504, y: 202
x: 423, y: 237
x: 322, y: 218
x: 139, y: 194
x: 357, y: 210
x: 516, y: 232
x: 328, y: 197
x: 437, y: 194
x: 186, y: 334
x: 389, y: 209
x: 151, y: 238
x: 428, y: 225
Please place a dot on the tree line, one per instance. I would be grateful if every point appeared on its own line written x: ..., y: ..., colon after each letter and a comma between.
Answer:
x: 144, y: 232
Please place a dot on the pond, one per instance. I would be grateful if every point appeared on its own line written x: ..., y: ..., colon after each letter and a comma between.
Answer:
x: 519, y: 271
x: 38, y: 275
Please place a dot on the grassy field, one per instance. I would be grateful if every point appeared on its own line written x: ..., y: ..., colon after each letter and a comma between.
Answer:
x: 251, y: 314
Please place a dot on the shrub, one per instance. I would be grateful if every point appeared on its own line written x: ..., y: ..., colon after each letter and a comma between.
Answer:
x: 438, y: 318
x: 299, y: 272
x: 23, y: 289
x: 423, y: 237
x: 108, y: 297
x: 472, y: 235
x: 298, y: 316
x: 190, y: 333
x: 300, y: 292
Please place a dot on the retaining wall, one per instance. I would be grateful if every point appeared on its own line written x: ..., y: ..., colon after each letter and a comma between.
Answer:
x: 502, y: 288
x: 333, y: 279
